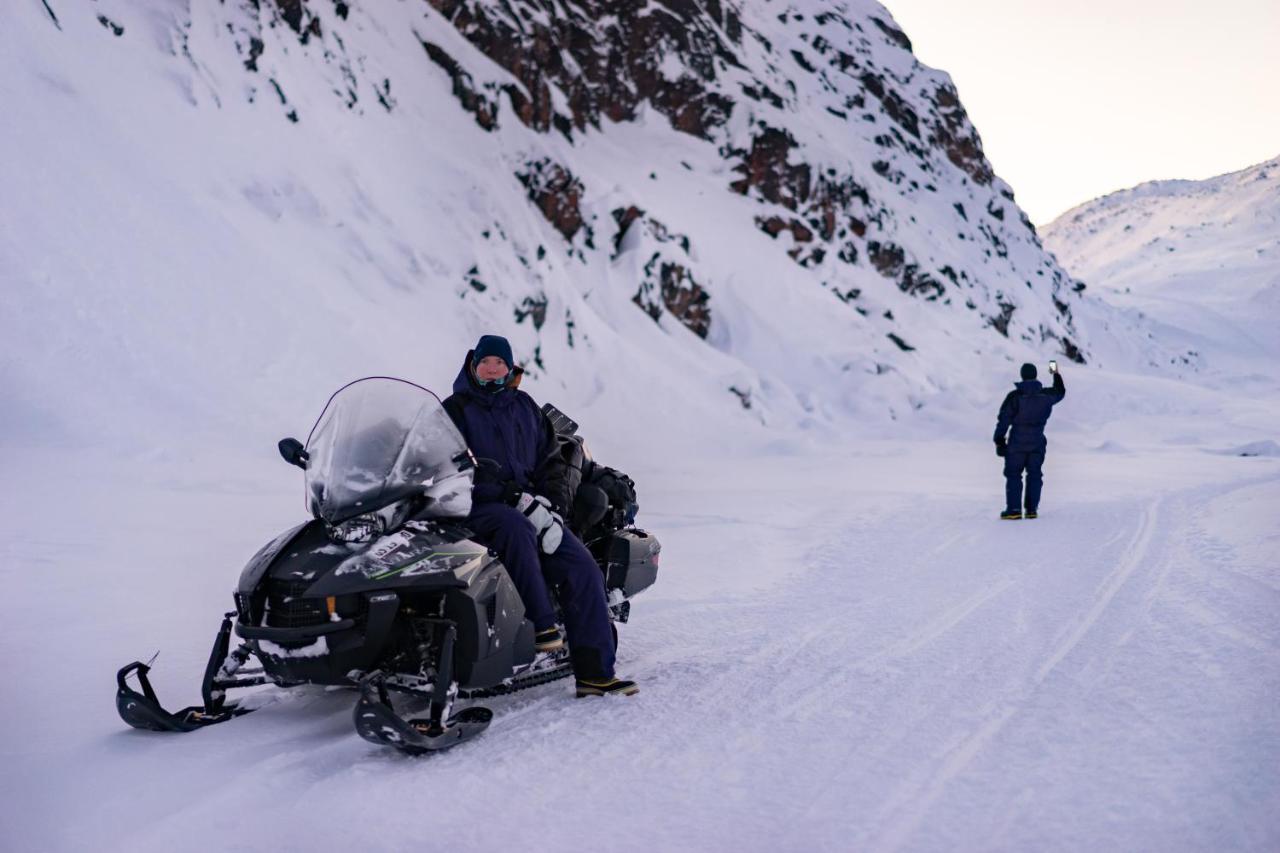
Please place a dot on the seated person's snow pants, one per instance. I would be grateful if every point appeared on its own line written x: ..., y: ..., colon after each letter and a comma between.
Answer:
x: 1015, y: 462
x: 571, y: 569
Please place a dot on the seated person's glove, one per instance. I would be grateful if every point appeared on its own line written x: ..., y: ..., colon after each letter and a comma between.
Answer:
x: 1001, y: 447
x: 547, y: 524
x: 511, y: 492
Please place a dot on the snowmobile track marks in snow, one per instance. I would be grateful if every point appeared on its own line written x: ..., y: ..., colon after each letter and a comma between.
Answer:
x: 1129, y: 563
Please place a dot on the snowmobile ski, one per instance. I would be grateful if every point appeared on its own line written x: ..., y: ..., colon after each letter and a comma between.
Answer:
x: 144, y: 711
x: 377, y: 721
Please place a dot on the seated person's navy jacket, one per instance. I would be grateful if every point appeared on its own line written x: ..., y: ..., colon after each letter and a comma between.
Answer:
x: 1025, y: 411
x: 509, y: 428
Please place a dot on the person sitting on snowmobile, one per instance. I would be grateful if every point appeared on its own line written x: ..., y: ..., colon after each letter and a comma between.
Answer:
x: 510, y: 514
x: 1023, y: 415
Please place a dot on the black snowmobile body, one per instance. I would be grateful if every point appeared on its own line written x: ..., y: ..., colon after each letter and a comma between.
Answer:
x: 399, y: 598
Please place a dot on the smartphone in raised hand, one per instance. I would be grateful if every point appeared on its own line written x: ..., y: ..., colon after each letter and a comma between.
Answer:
x: 1053, y: 366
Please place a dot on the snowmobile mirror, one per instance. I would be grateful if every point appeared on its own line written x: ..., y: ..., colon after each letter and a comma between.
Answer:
x: 292, y: 451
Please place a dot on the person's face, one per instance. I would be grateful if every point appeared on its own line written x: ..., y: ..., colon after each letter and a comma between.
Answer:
x: 490, y: 368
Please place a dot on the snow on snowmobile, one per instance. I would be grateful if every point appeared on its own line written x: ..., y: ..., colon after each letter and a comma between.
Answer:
x: 383, y: 590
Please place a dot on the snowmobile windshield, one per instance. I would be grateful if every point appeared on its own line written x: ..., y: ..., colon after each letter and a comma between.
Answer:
x: 381, y: 440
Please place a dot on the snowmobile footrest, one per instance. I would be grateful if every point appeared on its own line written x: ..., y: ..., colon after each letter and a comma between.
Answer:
x: 144, y: 711
x: 377, y: 722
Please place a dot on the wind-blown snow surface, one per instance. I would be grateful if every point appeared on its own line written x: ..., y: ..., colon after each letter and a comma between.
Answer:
x: 844, y: 650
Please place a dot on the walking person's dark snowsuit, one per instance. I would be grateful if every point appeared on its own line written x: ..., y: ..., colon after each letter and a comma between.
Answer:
x: 503, y: 424
x: 1023, y: 415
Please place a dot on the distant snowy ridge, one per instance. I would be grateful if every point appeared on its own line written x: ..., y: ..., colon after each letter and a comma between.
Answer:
x: 1199, y: 259
x: 762, y: 213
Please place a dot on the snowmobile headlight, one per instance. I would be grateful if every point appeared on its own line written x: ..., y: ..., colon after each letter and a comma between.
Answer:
x: 362, y: 528
x: 371, y: 525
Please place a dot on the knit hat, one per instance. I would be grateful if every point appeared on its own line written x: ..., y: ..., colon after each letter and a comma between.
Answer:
x: 1028, y: 372
x: 493, y: 345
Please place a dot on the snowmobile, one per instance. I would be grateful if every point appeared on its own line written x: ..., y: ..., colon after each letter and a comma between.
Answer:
x: 384, y: 589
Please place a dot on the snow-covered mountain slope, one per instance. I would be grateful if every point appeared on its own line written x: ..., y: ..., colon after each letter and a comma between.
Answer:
x: 756, y: 213
x: 1199, y: 259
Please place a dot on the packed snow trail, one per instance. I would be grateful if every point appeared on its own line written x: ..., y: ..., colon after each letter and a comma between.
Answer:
x: 826, y: 663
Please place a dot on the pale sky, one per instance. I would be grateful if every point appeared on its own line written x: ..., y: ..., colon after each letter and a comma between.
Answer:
x: 1077, y: 98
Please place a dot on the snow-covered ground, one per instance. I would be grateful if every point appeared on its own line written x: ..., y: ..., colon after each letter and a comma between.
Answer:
x: 845, y: 650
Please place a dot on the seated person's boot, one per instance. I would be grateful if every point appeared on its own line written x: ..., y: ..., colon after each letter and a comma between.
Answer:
x: 548, y: 639
x: 606, y: 687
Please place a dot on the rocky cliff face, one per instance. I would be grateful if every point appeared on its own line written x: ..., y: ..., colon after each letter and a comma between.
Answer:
x: 822, y: 115
x: 769, y: 205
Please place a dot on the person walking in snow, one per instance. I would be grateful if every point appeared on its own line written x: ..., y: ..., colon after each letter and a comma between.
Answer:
x: 505, y: 429
x: 1023, y: 415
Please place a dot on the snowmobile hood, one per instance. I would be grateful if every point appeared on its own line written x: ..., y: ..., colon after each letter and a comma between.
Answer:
x: 465, y: 383
x: 420, y: 554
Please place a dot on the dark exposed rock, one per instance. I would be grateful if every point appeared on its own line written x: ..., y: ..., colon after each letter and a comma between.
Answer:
x: 893, y: 104
x: 887, y: 258
x: 557, y: 193
x: 832, y: 199
x: 384, y: 95
x: 484, y: 109
x: 895, y: 35
x: 761, y: 92
x: 765, y: 169
x: 292, y: 11
x: 775, y: 225
x: 115, y: 28
x: 916, y: 283
x: 299, y: 18
x: 255, y: 50
x: 802, y: 61
x: 1001, y: 322
x: 1071, y: 351
x: 534, y: 308
x: 902, y: 345
x: 994, y: 239
x: 677, y: 292
x: 667, y: 283
x: 604, y: 72
x: 623, y: 217
x: 954, y: 134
